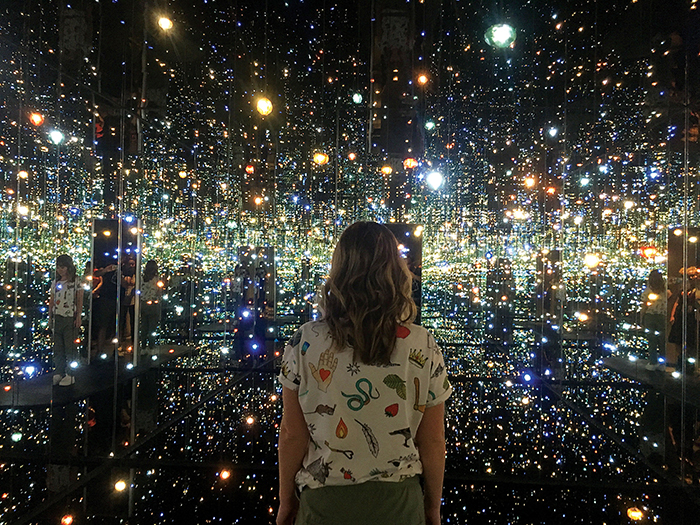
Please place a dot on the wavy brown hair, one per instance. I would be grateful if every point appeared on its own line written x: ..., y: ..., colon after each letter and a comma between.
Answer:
x: 368, y: 292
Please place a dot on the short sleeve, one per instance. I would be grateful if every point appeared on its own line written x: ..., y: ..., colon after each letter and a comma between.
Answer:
x: 440, y: 388
x: 289, y: 370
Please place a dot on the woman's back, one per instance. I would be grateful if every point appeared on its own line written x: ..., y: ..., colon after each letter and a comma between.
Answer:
x: 362, y: 418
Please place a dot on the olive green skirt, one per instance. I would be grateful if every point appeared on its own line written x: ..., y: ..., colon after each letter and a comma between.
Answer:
x: 380, y: 502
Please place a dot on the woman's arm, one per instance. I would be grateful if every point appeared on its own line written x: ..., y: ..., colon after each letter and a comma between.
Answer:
x: 292, y: 447
x: 430, y: 441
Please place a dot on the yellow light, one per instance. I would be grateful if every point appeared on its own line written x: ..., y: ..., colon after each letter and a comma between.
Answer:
x: 250, y: 420
x: 264, y: 106
x: 23, y: 174
x: 106, y: 233
x: 250, y: 169
x: 225, y: 474
x: 134, y: 231
x: 653, y: 297
x: 677, y: 232
x: 320, y: 158
x: 258, y: 200
x: 36, y: 118
x: 410, y: 163
x: 160, y: 284
x: 629, y: 205
x: 422, y: 79
x: 182, y: 174
x: 591, y: 260
x: 67, y: 520
x: 165, y: 23
x: 530, y: 182
x: 692, y: 239
x: 635, y: 514
x: 583, y: 317
x: 120, y: 485
x: 387, y: 170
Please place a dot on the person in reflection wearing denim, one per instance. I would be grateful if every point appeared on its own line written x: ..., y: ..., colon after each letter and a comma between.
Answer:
x: 65, y: 309
x: 654, y: 311
x: 362, y: 438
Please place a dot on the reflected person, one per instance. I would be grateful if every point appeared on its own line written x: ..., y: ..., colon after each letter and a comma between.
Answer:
x: 654, y: 309
x: 65, y: 309
x: 151, y: 292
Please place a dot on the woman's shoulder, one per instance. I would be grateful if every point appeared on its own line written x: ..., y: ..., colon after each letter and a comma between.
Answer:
x: 413, y: 332
x: 310, y: 330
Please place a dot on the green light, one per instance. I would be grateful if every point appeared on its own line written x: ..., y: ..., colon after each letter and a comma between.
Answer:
x: 430, y: 125
x: 16, y: 436
x: 357, y: 98
x: 500, y: 35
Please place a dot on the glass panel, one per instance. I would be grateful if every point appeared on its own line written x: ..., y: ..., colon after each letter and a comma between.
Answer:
x: 541, y: 179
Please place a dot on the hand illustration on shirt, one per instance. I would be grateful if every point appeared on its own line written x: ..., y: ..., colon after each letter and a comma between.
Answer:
x: 327, y: 363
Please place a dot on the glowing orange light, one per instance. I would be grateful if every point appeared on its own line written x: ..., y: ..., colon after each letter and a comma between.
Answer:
x: 67, y: 520
x: 649, y: 252
x: 387, y: 170
x: 530, y: 182
x: 422, y: 79
x: 182, y: 174
x: 250, y: 169
x: 7, y: 388
x: 264, y: 106
x: 551, y: 190
x: 120, y: 485
x: 250, y: 420
x: 635, y: 514
x: 258, y: 200
x: 23, y: 174
x: 320, y: 158
x: 410, y: 163
x: 352, y: 156
x: 36, y: 118
x: 171, y: 351
x: 165, y: 23
x: 225, y: 474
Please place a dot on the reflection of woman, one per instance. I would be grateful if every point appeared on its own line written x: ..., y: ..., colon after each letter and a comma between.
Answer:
x: 65, y: 308
x: 675, y: 335
x: 151, y: 290
x: 654, y: 308
x: 364, y: 393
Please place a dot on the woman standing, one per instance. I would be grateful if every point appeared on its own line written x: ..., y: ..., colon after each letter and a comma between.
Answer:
x: 65, y: 308
x: 654, y: 309
x: 364, y: 392
x: 151, y: 291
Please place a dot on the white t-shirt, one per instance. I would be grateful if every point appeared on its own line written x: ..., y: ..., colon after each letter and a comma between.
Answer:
x: 656, y: 303
x: 64, y: 298
x: 362, y: 418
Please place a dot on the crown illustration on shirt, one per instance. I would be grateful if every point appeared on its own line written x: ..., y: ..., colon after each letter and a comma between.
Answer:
x: 417, y: 358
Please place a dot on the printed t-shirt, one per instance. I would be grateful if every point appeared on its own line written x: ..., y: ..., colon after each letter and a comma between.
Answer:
x: 656, y: 303
x: 64, y: 298
x: 362, y: 418
x: 150, y: 291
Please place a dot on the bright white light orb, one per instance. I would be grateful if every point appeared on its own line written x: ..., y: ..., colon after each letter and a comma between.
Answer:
x: 434, y: 180
x: 165, y: 23
x: 56, y: 136
x: 357, y: 98
x: 500, y: 36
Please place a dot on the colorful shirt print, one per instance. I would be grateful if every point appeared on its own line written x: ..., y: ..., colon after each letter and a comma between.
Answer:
x: 362, y: 418
x: 64, y: 298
